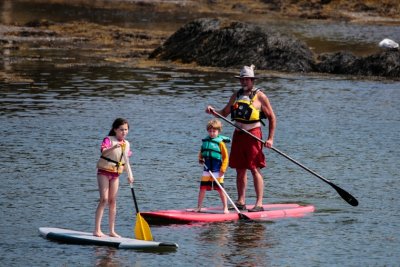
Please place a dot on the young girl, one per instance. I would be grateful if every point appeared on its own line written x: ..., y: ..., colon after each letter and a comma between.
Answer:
x: 214, y: 155
x: 115, y: 151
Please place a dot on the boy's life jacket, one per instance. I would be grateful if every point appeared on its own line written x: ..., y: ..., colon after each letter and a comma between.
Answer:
x: 114, y: 161
x: 243, y: 110
x: 211, y: 152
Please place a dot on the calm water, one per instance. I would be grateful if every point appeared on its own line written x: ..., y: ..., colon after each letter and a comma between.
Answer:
x: 346, y: 130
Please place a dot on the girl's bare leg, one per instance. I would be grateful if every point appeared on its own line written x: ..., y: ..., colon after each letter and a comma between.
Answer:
x: 112, y: 202
x: 103, y: 190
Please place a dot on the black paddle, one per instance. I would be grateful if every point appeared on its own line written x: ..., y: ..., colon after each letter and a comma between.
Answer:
x: 343, y: 193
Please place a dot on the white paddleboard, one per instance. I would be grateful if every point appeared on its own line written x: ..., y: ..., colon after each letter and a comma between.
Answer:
x: 85, y: 238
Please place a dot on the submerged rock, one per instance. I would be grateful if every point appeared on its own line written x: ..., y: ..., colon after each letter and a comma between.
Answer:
x: 213, y: 42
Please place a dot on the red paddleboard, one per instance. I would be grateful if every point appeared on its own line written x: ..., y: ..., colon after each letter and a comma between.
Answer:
x: 215, y: 214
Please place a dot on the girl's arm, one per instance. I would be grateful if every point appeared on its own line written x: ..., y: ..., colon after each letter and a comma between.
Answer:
x: 127, y: 164
x: 106, y: 147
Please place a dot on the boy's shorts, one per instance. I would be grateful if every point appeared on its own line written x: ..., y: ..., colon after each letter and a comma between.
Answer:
x: 208, y: 183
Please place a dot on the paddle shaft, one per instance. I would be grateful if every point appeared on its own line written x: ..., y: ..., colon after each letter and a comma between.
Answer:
x: 241, y: 215
x: 344, y: 194
x: 134, y: 198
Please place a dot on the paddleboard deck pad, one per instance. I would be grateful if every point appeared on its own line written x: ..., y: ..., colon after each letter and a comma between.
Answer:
x: 84, y: 238
x: 215, y: 214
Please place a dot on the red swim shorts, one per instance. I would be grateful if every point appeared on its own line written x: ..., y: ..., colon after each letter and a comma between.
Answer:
x: 246, y: 151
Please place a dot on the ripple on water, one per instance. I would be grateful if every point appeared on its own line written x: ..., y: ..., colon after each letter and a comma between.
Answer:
x: 340, y: 128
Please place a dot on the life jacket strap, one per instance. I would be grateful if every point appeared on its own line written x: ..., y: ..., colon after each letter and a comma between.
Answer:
x: 117, y: 163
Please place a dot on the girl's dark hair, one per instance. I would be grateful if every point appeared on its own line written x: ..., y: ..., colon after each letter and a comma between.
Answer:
x: 118, y: 122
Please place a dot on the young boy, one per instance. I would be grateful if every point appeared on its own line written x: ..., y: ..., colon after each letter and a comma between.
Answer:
x: 214, y: 155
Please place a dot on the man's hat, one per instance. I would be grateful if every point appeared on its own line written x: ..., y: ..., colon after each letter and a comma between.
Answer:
x: 247, y: 72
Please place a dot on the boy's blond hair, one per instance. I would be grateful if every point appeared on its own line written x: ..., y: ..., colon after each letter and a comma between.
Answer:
x: 214, y: 124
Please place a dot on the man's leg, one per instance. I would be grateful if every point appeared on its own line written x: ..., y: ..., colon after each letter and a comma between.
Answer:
x: 258, y: 186
x: 241, y: 185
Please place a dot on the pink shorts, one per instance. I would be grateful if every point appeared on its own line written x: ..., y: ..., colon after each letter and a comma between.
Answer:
x: 109, y: 175
x: 246, y: 151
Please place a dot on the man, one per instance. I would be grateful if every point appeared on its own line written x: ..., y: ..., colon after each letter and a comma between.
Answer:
x: 247, y: 107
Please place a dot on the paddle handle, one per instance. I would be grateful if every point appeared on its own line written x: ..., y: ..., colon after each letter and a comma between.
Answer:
x: 134, y: 198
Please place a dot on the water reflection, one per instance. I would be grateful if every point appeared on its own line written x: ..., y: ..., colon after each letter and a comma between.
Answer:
x: 105, y: 256
x: 76, y: 87
x: 217, y: 234
x: 250, y: 244
x: 237, y: 244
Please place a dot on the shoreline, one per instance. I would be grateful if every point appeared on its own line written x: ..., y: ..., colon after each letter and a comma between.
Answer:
x: 131, y: 46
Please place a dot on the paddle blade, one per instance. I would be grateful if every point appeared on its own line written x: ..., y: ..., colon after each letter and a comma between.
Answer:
x: 244, y: 217
x: 345, y: 195
x: 142, y: 229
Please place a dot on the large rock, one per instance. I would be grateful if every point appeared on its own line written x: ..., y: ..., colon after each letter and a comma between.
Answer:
x: 385, y: 63
x: 213, y: 42
x: 220, y: 43
x: 338, y: 63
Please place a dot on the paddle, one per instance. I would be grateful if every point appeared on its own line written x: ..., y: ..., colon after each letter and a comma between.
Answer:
x: 343, y: 193
x: 241, y: 215
x: 142, y: 229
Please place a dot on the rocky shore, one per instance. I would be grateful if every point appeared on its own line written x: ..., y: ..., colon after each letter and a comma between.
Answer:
x: 218, y: 40
x: 214, y: 42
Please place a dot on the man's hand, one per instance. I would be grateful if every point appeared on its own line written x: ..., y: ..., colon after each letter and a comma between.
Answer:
x: 210, y: 110
x: 268, y: 143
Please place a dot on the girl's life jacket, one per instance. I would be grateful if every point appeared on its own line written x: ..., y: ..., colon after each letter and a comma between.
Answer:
x: 114, y: 161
